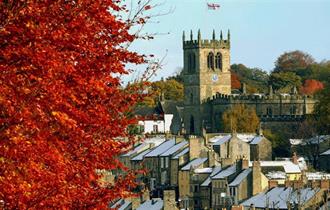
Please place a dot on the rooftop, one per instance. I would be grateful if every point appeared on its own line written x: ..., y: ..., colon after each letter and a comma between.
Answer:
x: 194, y: 163
x: 161, y: 148
x: 240, y: 177
x: 279, y: 196
x: 288, y: 166
x: 207, y: 181
x: 121, y: 204
x: 174, y: 148
x: 203, y: 170
x: 326, y: 152
x: 136, y: 149
x: 140, y: 156
x: 153, y: 204
x: 246, y: 137
x: 226, y: 172
x: 185, y: 151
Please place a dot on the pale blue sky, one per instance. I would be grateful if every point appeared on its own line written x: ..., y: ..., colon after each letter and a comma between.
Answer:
x: 261, y: 30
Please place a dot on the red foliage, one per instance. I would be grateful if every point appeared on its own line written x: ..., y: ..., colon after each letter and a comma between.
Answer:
x: 61, y: 107
x: 311, y: 86
x: 235, y: 83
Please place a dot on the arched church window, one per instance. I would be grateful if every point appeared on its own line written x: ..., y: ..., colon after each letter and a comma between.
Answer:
x: 192, y: 125
x: 191, y: 62
x: 210, y: 61
x: 269, y: 111
x: 218, y: 61
x: 293, y: 110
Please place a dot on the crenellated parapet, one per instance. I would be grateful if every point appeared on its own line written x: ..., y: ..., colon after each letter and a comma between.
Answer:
x: 243, y: 98
x: 206, y: 43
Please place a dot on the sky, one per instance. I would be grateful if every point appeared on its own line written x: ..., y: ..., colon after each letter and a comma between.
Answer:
x: 261, y: 30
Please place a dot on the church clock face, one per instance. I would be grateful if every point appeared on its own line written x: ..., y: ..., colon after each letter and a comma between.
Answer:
x: 214, y: 78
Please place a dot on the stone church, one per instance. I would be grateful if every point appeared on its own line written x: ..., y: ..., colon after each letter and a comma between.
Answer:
x: 207, y: 89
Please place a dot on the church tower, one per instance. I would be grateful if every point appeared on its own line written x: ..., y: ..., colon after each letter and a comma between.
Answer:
x: 206, y: 72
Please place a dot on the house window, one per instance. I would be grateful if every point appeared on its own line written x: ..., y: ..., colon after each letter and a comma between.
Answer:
x: 196, y: 188
x: 232, y: 191
x: 210, y: 61
x: 166, y: 162
x: 155, y: 128
x: 152, y: 183
x: 163, y: 177
x: 218, y: 61
x: 161, y: 162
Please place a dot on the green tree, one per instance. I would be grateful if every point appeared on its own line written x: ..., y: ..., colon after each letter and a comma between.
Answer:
x: 322, y: 111
x: 255, y: 79
x: 284, y: 81
x: 293, y: 61
x: 171, y: 89
x: 240, y: 118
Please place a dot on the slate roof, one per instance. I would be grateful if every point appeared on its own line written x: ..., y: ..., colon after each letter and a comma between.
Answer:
x: 170, y: 107
x: 140, y: 156
x: 203, y: 170
x: 256, y: 140
x: 185, y: 151
x: 194, y: 163
x: 207, y: 181
x: 291, y: 168
x: 248, y: 138
x: 121, y: 204
x: 240, y: 177
x: 161, y: 148
x: 288, y: 166
x: 153, y: 204
x: 136, y: 149
x: 174, y: 148
x: 279, y: 196
x: 226, y: 172
x: 222, y: 140
x: 326, y: 152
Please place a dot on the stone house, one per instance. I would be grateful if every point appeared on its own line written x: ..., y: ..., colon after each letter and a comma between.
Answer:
x: 152, y: 163
x: 177, y: 162
x: 185, y: 175
x: 166, y: 166
x: 231, y: 146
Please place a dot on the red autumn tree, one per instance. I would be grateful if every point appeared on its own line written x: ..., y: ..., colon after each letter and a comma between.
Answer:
x: 235, y: 83
x: 61, y: 103
x: 311, y: 86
